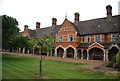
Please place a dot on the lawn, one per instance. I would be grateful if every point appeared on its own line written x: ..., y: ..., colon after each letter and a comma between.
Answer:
x: 22, y: 67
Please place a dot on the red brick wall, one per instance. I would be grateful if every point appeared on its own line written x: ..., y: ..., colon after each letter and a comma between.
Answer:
x: 66, y: 44
x: 25, y: 33
x: 96, y: 45
x: 109, y: 37
x: 69, y: 31
x: 92, y: 38
x: 104, y: 37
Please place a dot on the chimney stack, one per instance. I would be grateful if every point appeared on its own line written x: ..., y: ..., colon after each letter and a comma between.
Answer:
x: 25, y: 27
x: 109, y: 12
x: 37, y: 25
x: 76, y: 20
x: 54, y: 21
x: 109, y: 9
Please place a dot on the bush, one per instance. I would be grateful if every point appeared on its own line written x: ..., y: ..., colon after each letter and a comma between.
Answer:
x: 110, y: 64
x: 118, y: 59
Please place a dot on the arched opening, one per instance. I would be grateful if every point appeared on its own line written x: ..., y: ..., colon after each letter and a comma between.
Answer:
x: 112, y: 52
x: 96, y: 54
x: 79, y: 53
x: 70, y: 52
x: 84, y: 54
x: 60, y: 52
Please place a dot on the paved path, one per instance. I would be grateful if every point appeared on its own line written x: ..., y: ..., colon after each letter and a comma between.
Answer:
x: 91, y: 63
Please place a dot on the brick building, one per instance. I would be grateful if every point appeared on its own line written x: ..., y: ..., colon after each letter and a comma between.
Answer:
x: 97, y: 39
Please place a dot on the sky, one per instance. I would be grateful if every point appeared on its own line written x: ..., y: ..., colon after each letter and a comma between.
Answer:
x: 28, y: 12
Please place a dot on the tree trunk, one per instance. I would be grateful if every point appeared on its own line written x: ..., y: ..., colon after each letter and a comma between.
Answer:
x: 40, y: 73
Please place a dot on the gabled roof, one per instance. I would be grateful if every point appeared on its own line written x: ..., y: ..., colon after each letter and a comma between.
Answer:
x: 76, y: 28
x: 100, y: 25
x: 72, y: 24
x: 105, y: 44
x: 94, y: 26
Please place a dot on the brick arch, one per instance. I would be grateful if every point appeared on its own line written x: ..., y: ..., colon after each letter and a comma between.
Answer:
x: 70, y: 46
x: 113, y: 45
x: 60, y: 52
x: 96, y: 45
x: 60, y: 46
x: 70, y: 52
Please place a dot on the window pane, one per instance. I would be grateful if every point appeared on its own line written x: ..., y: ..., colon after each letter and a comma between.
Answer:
x: 60, y: 38
x: 115, y: 37
x: 97, y: 38
x: 70, y: 38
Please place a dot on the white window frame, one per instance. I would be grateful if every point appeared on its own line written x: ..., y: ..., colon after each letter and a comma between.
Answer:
x: 60, y: 39
x: 69, y: 38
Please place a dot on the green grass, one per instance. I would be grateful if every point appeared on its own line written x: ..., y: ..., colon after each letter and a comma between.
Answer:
x: 21, y: 67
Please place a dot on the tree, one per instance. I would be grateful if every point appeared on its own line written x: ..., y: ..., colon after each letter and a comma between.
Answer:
x: 118, y: 59
x: 32, y: 43
x: 45, y: 44
x: 9, y: 31
x: 21, y: 42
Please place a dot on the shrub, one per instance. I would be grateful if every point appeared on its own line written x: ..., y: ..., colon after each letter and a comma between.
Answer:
x: 110, y: 64
x: 118, y: 59
x: 113, y: 61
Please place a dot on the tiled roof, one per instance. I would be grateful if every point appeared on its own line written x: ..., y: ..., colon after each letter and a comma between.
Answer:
x: 37, y: 33
x: 105, y: 44
x: 31, y: 33
x: 94, y: 26
x: 100, y: 25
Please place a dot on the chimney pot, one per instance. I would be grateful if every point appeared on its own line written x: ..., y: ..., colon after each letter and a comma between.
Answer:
x: 76, y: 20
x: 54, y: 21
x: 109, y: 9
x: 37, y: 25
x: 25, y: 27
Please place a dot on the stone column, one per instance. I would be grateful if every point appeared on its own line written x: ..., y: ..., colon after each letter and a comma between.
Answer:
x: 75, y: 53
x: 104, y: 55
x: 64, y: 54
x: 55, y: 52
x: 28, y: 51
x: 51, y: 53
x: 107, y: 59
x: 19, y: 50
x: 47, y: 53
x: 23, y: 51
x: 87, y: 54
x: 12, y: 50
x: 81, y: 53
